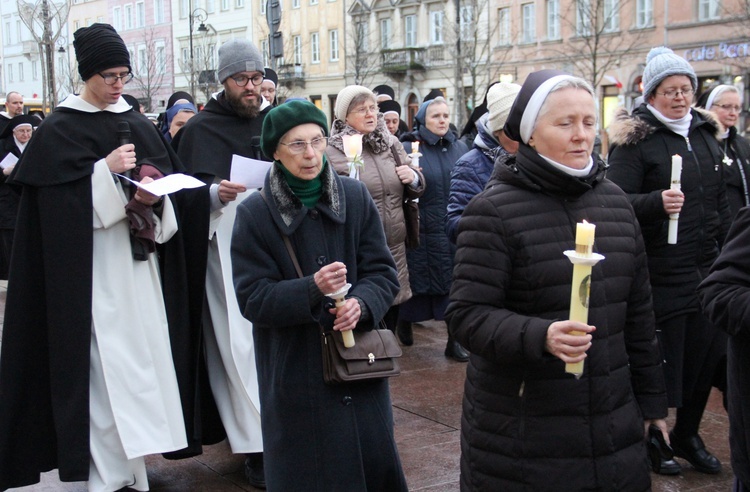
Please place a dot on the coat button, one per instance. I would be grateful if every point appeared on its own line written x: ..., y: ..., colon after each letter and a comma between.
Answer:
x: 346, y: 401
x: 321, y: 260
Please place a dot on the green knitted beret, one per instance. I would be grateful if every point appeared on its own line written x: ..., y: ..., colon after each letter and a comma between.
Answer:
x: 286, y: 116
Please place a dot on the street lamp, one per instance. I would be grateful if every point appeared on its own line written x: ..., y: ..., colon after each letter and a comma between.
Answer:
x: 200, y: 15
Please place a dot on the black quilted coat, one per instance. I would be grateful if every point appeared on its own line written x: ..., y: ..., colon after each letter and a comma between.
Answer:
x: 526, y: 424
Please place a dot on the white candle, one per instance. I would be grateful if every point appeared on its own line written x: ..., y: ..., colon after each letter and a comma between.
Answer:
x: 675, y: 184
x: 352, y: 145
x: 579, y: 292
x: 414, y: 147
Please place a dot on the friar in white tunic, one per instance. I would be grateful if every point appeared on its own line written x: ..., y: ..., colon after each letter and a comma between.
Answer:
x: 87, y: 377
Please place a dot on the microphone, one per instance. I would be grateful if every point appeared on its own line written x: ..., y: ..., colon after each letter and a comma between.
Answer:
x: 123, y: 132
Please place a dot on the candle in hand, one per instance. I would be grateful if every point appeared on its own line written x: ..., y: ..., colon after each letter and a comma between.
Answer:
x: 675, y: 184
x: 583, y: 258
x: 352, y: 145
x: 414, y: 147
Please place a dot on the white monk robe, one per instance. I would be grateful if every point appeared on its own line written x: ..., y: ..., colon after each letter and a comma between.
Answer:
x: 229, y: 340
x: 135, y: 402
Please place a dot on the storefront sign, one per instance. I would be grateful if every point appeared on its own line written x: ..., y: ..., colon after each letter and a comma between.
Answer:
x: 720, y: 52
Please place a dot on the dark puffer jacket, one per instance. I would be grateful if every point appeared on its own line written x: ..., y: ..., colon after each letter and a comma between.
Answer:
x: 737, y: 170
x: 526, y: 424
x: 641, y: 164
x: 431, y: 264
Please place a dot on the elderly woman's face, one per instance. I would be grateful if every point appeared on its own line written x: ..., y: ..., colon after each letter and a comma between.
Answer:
x: 727, y: 107
x: 565, y: 132
x: 23, y: 133
x: 307, y: 163
x: 438, y: 118
x: 364, y: 116
x: 673, y: 97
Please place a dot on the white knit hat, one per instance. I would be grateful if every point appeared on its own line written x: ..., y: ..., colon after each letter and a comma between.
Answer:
x: 661, y: 63
x: 345, y: 97
x: 500, y: 99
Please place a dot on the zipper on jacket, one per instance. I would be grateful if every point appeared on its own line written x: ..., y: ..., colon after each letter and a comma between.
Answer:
x: 702, y: 228
x: 520, y: 390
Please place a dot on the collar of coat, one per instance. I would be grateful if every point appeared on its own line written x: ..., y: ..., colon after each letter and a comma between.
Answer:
x: 378, y: 140
x: 629, y: 129
x: 289, y: 211
x: 527, y: 169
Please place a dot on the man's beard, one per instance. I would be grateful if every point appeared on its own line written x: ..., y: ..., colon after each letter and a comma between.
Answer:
x: 244, y: 109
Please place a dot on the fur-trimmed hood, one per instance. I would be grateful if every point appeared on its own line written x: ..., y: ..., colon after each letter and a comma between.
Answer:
x: 629, y: 129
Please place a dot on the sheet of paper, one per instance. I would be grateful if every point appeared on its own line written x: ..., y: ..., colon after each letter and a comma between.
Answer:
x: 168, y: 184
x: 10, y: 160
x: 249, y: 172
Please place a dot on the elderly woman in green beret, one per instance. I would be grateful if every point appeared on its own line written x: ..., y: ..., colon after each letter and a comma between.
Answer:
x: 316, y: 436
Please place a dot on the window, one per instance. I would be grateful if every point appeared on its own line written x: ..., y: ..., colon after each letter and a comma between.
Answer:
x: 89, y: 22
x: 333, y: 40
x: 467, y: 24
x: 410, y: 31
x: 503, y: 26
x: 295, y: 4
x: 211, y: 64
x: 553, y: 19
x: 644, y: 13
x: 186, y: 59
x: 7, y: 33
x: 76, y: 25
x: 100, y: 19
x: 19, y: 32
x: 140, y: 14
x: 315, y: 47
x: 158, y: 11
x: 264, y: 51
x: 10, y: 72
x: 313, y: 2
x: 436, y: 27
x: 583, y: 18
x: 529, y: 23
x: 709, y: 9
x: 385, y: 34
x: 143, y: 67
x: 611, y: 15
x: 35, y: 71
x: 210, y: 6
x: 184, y: 8
x: 129, y: 16
x: 363, y: 36
x: 262, y: 6
x: 297, y: 50
x: 238, y: 4
x: 160, y: 59
x: 20, y: 71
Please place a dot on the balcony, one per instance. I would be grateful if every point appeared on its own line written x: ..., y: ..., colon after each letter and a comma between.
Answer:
x: 291, y: 75
x: 399, y: 61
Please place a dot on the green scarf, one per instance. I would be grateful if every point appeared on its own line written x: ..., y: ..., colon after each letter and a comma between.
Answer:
x: 308, y: 191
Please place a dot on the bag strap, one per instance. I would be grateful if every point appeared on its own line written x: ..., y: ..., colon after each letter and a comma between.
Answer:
x: 287, y: 242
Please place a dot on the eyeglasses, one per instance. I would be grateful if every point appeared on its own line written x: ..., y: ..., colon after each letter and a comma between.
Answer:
x: 673, y: 93
x: 22, y: 130
x: 241, y: 80
x: 112, y: 78
x: 363, y: 111
x: 729, y: 107
x: 300, y: 146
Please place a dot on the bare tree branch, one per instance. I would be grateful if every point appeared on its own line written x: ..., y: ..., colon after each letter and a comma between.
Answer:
x: 150, y: 68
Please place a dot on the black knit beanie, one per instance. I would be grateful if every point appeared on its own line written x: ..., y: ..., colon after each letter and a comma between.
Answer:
x: 99, y: 47
x: 283, y: 118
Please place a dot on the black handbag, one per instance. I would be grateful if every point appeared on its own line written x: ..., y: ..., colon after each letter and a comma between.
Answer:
x: 411, y: 213
x: 374, y: 355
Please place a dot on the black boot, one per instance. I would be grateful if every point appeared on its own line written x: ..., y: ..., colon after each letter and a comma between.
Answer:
x: 405, y: 333
x: 660, y: 454
x: 254, y: 470
x: 455, y: 351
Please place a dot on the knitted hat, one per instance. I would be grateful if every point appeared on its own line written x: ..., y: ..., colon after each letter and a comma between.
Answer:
x: 661, y: 63
x: 390, y: 107
x: 500, y: 99
x: 239, y: 55
x: 283, y: 118
x: 99, y: 47
x: 345, y: 98
x: 522, y: 117
x: 384, y: 90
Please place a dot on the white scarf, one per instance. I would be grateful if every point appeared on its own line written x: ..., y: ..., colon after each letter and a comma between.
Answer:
x: 680, y: 126
x: 577, y: 173
x: 21, y: 146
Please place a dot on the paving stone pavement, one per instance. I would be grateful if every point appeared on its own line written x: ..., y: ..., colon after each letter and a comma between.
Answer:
x: 427, y: 412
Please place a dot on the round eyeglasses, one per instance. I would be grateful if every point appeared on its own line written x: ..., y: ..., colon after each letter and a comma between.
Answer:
x: 112, y: 78
x: 241, y: 80
x: 300, y: 146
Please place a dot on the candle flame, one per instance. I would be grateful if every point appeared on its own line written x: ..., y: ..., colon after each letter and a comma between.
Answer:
x: 414, y: 147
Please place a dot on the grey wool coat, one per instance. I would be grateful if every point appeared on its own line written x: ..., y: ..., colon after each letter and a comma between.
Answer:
x: 316, y: 437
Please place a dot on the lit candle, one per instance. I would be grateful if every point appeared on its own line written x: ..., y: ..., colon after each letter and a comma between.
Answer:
x: 583, y: 258
x: 339, y: 298
x: 675, y: 184
x: 352, y: 145
x: 414, y: 147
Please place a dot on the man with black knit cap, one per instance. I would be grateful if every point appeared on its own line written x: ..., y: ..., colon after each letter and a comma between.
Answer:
x: 229, y: 125
x: 87, y: 376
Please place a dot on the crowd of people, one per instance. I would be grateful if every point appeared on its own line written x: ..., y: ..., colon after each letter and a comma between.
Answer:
x: 164, y: 322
